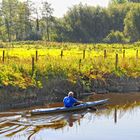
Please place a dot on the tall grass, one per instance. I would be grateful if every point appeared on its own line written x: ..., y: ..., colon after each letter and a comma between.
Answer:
x: 16, y: 70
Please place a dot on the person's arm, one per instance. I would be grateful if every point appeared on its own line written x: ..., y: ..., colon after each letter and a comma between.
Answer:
x: 77, y: 101
x: 80, y: 102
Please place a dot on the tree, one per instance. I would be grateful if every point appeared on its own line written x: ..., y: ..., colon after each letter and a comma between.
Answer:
x: 84, y: 23
x: 132, y: 24
x: 23, y: 23
x: 27, y: 12
x: 112, y: 2
x: 115, y: 37
x: 9, y: 10
x: 2, y: 27
x: 37, y: 26
x: 117, y: 13
x: 137, y: 1
x: 16, y: 16
x: 21, y: 20
x: 47, y: 12
x: 59, y: 30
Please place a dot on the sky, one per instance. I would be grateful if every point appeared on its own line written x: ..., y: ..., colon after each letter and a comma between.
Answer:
x: 61, y: 6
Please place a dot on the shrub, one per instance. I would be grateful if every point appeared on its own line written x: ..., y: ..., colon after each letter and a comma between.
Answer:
x: 115, y: 37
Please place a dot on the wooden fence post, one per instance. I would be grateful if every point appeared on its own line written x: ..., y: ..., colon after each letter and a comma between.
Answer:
x: 137, y: 54
x: 105, y: 54
x: 36, y: 55
x: 3, y: 56
x: 116, y: 62
x: 84, y: 52
x: 33, y: 65
x: 61, y: 53
x: 80, y: 64
x: 123, y: 53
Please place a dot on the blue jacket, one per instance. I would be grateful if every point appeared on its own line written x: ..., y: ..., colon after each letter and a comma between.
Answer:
x: 69, y: 101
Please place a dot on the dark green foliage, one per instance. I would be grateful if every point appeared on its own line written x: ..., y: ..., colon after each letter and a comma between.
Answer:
x: 134, y: 1
x: 115, y: 37
x: 132, y: 24
x: 20, y: 21
x: 112, y: 2
x: 84, y: 24
x: 92, y: 24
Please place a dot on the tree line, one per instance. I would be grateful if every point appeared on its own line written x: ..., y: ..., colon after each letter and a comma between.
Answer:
x: 118, y: 23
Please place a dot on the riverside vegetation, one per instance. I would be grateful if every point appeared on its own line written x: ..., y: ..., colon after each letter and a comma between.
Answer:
x: 48, y: 70
x: 38, y: 72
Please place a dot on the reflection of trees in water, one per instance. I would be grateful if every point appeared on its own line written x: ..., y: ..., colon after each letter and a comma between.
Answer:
x: 15, y: 128
x: 31, y: 126
x: 32, y: 130
x: 68, y: 118
x: 9, y: 129
x: 53, y: 125
x: 118, y: 111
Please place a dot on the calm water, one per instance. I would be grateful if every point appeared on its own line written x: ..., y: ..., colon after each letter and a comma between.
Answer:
x: 109, y: 123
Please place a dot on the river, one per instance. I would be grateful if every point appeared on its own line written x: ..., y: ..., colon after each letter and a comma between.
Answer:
x: 111, y: 122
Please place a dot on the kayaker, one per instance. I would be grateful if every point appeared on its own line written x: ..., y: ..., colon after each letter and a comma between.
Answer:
x: 70, y: 101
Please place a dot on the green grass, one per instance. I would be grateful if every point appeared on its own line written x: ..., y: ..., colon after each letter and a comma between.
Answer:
x: 16, y: 70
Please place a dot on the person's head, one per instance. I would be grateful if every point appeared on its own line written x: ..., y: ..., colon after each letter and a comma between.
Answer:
x: 70, y: 93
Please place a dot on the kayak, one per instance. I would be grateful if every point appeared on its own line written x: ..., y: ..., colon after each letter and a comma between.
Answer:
x: 67, y: 109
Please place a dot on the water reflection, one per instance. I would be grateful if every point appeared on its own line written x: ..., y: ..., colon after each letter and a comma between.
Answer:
x: 115, y: 115
x: 17, y: 127
x: 14, y: 125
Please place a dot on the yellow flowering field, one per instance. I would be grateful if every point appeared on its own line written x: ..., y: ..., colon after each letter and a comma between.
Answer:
x: 24, y: 65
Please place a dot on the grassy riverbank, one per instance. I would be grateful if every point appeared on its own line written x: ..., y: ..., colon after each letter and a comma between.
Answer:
x: 35, y: 70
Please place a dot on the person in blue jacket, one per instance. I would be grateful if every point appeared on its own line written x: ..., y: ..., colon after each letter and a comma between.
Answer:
x: 70, y: 101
